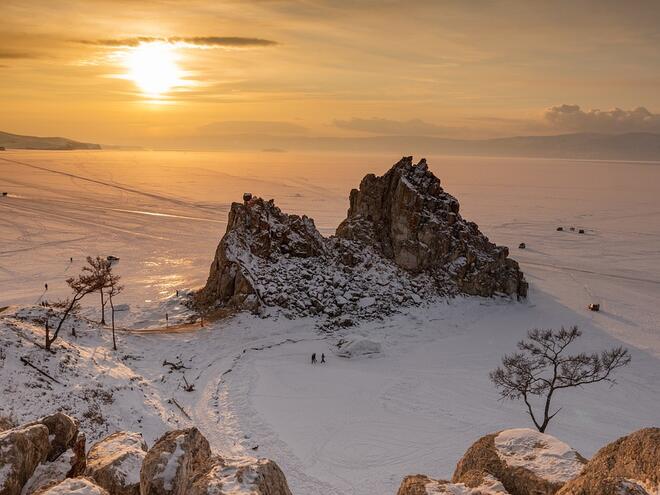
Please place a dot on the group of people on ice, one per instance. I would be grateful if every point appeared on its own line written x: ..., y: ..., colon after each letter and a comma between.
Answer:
x: 314, y: 361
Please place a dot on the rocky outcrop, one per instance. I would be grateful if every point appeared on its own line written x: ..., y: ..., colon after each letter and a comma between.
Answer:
x: 403, y: 242
x: 408, y: 217
x: 253, y: 476
x: 23, y: 448
x: 170, y: 465
x: 628, y: 466
x: 6, y: 423
x: 62, y: 432
x: 114, y: 463
x: 179, y: 463
x: 423, y: 485
x: 71, y: 486
x: 256, y: 229
x: 51, y: 473
x: 523, y: 460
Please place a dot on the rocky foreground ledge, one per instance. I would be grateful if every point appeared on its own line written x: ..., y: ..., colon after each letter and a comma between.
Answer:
x: 48, y: 457
x: 402, y: 242
x: 526, y: 462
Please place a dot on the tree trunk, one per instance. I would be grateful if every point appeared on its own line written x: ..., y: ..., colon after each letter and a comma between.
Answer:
x: 102, y: 308
x: 47, y: 336
x: 112, y: 316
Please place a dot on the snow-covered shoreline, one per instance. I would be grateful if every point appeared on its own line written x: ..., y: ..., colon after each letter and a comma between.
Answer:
x: 352, y: 426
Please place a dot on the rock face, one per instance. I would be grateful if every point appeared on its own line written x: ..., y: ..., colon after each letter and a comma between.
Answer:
x: 245, y: 475
x: 23, y: 448
x: 258, y: 229
x: 6, y: 424
x: 71, y: 486
x: 628, y: 466
x: 62, y: 431
x: 170, y: 464
x: 423, y: 485
x: 179, y: 463
x: 408, y: 217
x: 402, y: 243
x: 523, y: 460
x: 114, y: 463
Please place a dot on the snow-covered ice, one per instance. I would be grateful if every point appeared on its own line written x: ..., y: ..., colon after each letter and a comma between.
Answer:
x: 353, y: 425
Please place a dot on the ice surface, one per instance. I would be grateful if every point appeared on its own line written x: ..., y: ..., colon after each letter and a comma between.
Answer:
x: 350, y: 426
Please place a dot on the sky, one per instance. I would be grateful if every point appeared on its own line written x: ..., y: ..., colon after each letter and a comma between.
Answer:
x: 190, y: 72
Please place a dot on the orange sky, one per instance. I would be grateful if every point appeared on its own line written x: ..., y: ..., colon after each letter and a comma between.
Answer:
x: 327, y: 68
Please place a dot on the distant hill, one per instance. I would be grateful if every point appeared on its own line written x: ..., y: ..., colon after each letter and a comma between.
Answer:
x: 16, y: 141
x: 629, y: 146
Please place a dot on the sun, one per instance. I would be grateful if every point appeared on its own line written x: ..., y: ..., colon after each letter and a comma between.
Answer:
x: 153, y: 68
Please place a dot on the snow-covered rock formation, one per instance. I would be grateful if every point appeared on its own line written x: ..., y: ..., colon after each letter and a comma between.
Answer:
x: 114, y: 463
x: 524, y: 460
x: 423, y: 485
x: 179, y: 463
x: 402, y: 242
x: 519, y: 461
x: 408, y: 217
x: 627, y: 466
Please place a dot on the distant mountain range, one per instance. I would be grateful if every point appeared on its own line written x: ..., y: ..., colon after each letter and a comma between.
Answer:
x: 629, y: 146
x: 17, y: 141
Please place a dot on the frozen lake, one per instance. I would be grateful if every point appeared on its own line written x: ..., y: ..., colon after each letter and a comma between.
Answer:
x: 356, y: 426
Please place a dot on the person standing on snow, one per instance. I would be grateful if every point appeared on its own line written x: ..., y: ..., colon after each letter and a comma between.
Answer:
x: 322, y: 357
x: 314, y: 358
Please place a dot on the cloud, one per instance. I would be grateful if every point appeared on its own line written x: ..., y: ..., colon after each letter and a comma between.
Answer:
x: 573, y: 118
x: 252, y: 127
x: 195, y: 41
x: 414, y: 127
x: 8, y: 54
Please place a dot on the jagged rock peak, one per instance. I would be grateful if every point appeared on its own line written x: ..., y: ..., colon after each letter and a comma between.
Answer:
x: 403, y: 242
x: 256, y: 228
x: 408, y: 217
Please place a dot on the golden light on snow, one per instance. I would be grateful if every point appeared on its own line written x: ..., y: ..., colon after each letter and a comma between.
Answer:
x: 153, y: 68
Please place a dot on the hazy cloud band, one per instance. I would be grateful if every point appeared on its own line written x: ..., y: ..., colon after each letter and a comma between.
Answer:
x: 202, y: 41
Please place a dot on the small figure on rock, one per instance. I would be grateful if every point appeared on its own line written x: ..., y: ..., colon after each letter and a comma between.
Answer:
x: 314, y: 358
x: 46, y: 286
x: 322, y: 358
x: 247, y: 197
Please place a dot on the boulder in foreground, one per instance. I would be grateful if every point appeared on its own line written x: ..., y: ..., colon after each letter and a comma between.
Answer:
x: 74, y: 486
x: 423, y: 485
x: 627, y: 466
x: 523, y: 460
x: 114, y: 463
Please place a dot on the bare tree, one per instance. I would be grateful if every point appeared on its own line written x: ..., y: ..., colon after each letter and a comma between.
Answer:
x: 100, y: 268
x: 113, y: 289
x: 542, y: 368
x: 85, y: 283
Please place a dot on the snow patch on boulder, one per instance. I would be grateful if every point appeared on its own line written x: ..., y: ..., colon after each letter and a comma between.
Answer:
x: 544, y: 455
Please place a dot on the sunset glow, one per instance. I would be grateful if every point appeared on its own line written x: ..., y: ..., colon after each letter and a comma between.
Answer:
x: 153, y: 68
